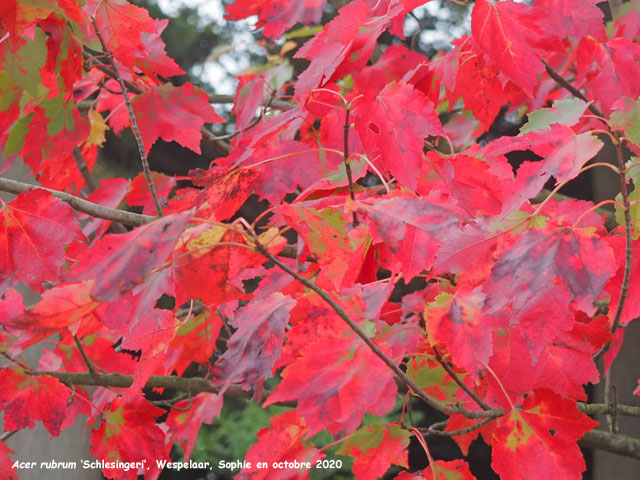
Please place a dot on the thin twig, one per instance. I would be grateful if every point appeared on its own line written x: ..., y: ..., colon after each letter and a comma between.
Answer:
x: 493, y: 413
x: 457, y: 379
x: 84, y: 170
x: 134, y: 122
x: 432, y: 430
x: 7, y: 435
x: 573, y: 90
x: 84, y: 355
x: 81, y: 205
x: 347, y: 164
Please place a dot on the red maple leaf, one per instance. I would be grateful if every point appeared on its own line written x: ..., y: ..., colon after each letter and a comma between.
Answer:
x: 35, y: 228
x: 26, y: 398
x: 186, y: 419
x: 329, y: 380
x: 121, y: 24
x: 117, y: 270
x: 128, y: 433
x: 277, y: 16
x: 283, y: 441
x: 539, y: 439
x: 394, y: 124
x: 256, y: 344
x: 167, y: 112
x: 507, y: 33
x: 375, y: 448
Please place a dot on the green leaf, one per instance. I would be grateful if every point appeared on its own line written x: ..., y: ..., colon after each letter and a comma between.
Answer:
x: 565, y: 112
x: 628, y: 120
x: 19, y: 131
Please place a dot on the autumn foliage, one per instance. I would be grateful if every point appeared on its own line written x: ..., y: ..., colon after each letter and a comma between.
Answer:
x: 375, y: 172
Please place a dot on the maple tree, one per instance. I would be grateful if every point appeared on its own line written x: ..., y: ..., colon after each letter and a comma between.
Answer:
x: 369, y: 185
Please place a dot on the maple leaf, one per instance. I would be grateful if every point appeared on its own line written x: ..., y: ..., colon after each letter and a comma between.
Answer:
x: 505, y: 31
x: 151, y: 59
x: 631, y: 308
x: 224, y: 192
x: 394, y: 124
x: 121, y: 24
x: 26, y: 398
x: 185, y: 420
x: 63, y: 306
x: 328, y: 380
x: 221, y: 265
x: 6, y: 470
x: 151, y: 333
x: 282, y: 441
x: 128, y: 433
x: 547, y: 260
x: 194, y: 341
x: 117, y: 270
x: 140, y: 195
x: 35, y: 228
x: 249, y: 96
x: 474, y: 184
x: 344, y: 45
x: 168, y: 112
x: 100, y: 352
x: 324, y: 231
x: 110, y: 193
x: 375, y: 448
x: 564, y: 364
x: 397, y: 64
x: 459, y: 422
x: 538, y: 440
x: 277, y: 16
x: 457, y: 321
x: 469, y: 74
x: 574, y: 18
x: 452, y: 470
x: 256, y: 344
x: 423, y: 233
x: 611, y: 69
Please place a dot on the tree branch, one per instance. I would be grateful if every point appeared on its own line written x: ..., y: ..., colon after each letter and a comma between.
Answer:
x: 604, y: 409
x: 191, y: 385
x: 609, y: 442
x: 81, y: 205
